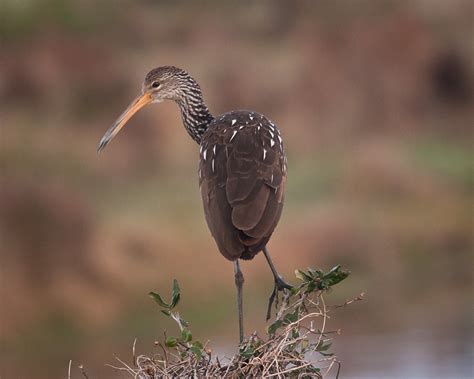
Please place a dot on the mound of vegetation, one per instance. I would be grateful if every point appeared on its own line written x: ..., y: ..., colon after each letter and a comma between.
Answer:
x: 297, y: 343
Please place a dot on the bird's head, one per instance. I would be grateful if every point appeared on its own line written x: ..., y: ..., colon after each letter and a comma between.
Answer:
x: 161, y: 83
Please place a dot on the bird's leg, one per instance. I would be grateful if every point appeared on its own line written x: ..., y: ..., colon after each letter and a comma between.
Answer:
x: 280, y: 284
x: 239, y: 281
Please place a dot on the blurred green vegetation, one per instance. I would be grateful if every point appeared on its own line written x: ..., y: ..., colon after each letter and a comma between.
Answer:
x: 452, y: 160
x: 23, y: 19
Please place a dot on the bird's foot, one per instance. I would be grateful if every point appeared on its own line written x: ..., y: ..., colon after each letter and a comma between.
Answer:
x: 280, y: 285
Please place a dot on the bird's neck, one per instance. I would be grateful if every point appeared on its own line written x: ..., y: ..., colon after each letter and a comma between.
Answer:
x: 194, y: 112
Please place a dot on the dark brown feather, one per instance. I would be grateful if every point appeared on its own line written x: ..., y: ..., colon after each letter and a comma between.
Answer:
x: 242, y: 175
x: 249, y: 213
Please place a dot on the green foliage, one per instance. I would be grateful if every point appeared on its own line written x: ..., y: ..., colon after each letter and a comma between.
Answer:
x: 175, y: 297
x: 171, y: 342
x: 313, y: 281
x: 316, y: 279
x: 291, y: 337
x: 186, y: 335
x: 159, y: 300
x: 184, y: 342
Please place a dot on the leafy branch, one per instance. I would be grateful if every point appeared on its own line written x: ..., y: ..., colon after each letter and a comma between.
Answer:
x: 183, y: 343
x: 292, y: 338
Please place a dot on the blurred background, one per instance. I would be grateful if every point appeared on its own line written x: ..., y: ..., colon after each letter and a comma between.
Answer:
x: 374, y: 100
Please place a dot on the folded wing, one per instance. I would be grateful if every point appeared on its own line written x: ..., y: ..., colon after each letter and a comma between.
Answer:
x: 242, y: 179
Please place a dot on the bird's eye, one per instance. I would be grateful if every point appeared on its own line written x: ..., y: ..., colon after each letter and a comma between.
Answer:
x: 155, y: 84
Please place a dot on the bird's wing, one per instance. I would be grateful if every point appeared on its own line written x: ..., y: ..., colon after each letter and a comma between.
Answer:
x: 242, y: 178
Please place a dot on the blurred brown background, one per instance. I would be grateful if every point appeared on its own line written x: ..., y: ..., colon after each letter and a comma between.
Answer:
x: 374, y: 100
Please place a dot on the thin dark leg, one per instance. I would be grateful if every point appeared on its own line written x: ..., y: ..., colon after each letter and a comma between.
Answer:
x: 280, y: 284
x: 239, y: 281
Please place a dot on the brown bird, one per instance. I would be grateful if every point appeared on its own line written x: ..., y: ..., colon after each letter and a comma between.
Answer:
x: 242, y: 170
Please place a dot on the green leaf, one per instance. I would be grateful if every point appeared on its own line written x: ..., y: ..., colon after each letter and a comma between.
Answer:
x: 186, y: 335
x: 295, y: 333
x: 158, y: 299
x: 248, y: 352
x: 334, y: 276
x: 302, y: 276
x: 274, y: 327
x: 315, y: 273
x: 196, y: 350
x: 175, y: 296
x: 171, y: 342
x: 335, y: 269
x: 197, y: 344
x: 291, y: 317
x: 326, y: 354
x: 311, y: 286
x: 322, y: 346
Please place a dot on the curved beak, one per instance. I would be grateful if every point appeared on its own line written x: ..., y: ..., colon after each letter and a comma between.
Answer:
x: 133, y: 108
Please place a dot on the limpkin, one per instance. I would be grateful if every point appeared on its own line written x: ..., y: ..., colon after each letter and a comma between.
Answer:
x: 242, y: 170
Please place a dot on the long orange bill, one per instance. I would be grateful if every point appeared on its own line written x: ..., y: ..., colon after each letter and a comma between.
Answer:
x: 133, y: 108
